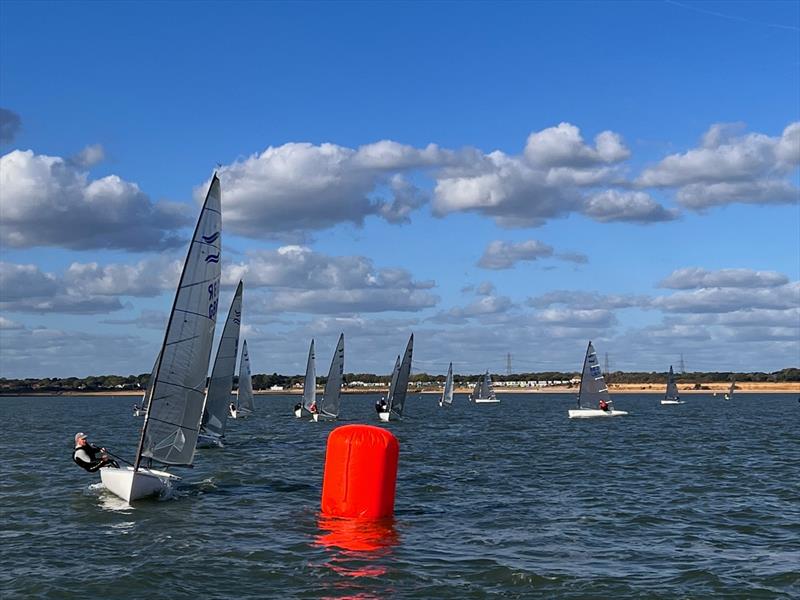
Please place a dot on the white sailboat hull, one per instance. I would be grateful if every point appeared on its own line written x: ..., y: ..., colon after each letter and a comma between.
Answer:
x: 672, y: 402
x: 209, y: 440
x: 486, y: 401
x: 132, y: 486
x: 298, y: 413
x: 139, y: 412
x: 590, y: 413
x: 385, y: 416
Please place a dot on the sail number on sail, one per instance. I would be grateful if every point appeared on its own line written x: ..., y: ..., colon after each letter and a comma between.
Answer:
x: 213, y: 299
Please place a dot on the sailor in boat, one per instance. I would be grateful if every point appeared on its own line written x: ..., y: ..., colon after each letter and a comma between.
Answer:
x: 86, y: 457
x: 381, y: 406
x: 313, y: 408
x: 603, y: 405
x: 232, y: 408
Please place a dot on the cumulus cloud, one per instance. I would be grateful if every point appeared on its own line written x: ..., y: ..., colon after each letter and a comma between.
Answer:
x: 633, y: 207
x: 485, y: 288
x: 563, y: 146
x: 697, y: 277
x: 49, y: 201
x: 728, y: 168
x: 486, y: 305
x: 9, y: 125
x: 580, y: 318
x: 504, y: 255
x: 89, y: 156
x: 83, y: 288
x: 302, y: 280
x: 9, y: 324
x: 587, y: 300
x: 721, y: 300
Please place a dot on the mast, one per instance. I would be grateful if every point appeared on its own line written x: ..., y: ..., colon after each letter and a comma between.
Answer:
x: 205, y: 244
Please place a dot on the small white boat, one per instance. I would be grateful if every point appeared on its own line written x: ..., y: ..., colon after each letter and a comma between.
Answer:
x: 327, y: 409
x: 177, y: 394
x: 398, y: 388
x: 484, y: 392
x: 447, y: 393
x: 671, y: 396
x: 133, y: 485
x: 593, y: 392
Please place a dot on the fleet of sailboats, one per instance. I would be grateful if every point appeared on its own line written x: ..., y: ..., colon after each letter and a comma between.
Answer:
x: 593, y: 397
x: 391, y: 407
x: 483, y: 391
x: 220, y: 385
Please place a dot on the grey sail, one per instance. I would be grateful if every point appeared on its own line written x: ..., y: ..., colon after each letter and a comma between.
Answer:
x: 398, y: 399
x: 672, y: 387
x: 172, y: 422
x: 331, y: 397
x: 393, y: 382
x: 220, y: 386
x: 732, y: 388
x: 476, y: 391
x: 593, y: 386
x: 310, y: 381
x: 245, y: 401
x: 486, y: 387
x: 447, y: 395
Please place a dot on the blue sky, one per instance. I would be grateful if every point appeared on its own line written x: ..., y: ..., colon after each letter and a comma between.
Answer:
x: 494, y: 177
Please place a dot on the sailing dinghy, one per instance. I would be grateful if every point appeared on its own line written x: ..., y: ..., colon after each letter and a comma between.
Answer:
x: 593, y: 391
x: 172, y: 422
x: 328, y: 406
x: 484, y: 392
x: 391, y: 408
x: 447, y: 394
x: 220, y: 386
x: 671, y: 396
x: 729, y: 395
x: 309, y: 403
x: 245, y: 401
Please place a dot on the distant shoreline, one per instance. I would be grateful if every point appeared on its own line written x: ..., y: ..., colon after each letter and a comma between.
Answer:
x: 623, y: 388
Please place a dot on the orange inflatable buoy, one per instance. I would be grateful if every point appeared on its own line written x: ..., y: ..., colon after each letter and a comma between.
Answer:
x: 360, y: 472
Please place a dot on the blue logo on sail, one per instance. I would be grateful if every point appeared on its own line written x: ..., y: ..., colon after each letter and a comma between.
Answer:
x: 212, y: 258
x: 210, y: 239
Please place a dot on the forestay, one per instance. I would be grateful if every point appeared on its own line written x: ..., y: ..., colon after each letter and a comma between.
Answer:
x: 245, y: 398
x: 332, y: 395
x: 220, y: 386
x: 593, y: 386
x: 170, y: 430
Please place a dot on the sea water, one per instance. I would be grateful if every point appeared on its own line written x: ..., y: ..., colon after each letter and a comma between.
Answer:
x: 512, y: 500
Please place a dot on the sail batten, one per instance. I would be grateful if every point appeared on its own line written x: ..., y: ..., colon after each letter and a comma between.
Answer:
x: 172, y: 421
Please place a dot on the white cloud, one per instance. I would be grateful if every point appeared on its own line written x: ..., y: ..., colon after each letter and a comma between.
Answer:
x: 750, y: 168
x: 563, y: 146
x: 504, y: 255
x: 633, y: 207
x: 9, y: 324
x: 89, y: 156
x: 301, y: 280
x: 48, y: 201
x: 697, y: 277
x: 722, y: 300
x: 148, y: 277
x: 576, y: 318
x: 587, y: 300
x: 486, y: 305
x: 485, y: 288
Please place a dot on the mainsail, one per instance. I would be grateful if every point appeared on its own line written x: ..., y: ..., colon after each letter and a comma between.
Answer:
x: 310, y: 381
x: 593, y: 386
x: 398, y: 398
x: 331, y: 397
x: 672, y: 387
x: 172, y: 422
x: 220, y: 386
x: 731, y: 389
x: 447, y: 395
x: 486, y: 388
x: 476, y: 391
x: 245, y: 400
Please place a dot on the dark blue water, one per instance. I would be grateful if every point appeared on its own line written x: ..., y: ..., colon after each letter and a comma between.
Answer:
x: 511, y: 500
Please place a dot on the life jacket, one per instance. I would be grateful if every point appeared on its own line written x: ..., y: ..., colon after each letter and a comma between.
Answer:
x: 91, y: 452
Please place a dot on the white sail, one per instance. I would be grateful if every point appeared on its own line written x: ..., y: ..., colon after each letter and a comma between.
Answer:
x: 672, y: 387
x: 310, y: 381
x: 331, y: 397
x: 476, y: 391
x: 593, y: 386
x: 172, y: 422
x: 245, y: 400
x: 398, y: 399
x: 220, y: 386
x: 447, y: 394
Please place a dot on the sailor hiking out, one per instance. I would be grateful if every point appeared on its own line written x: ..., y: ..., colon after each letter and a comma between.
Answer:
x: 86, y: 456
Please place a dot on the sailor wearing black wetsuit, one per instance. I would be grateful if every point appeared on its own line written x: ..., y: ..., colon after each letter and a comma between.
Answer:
x: 86, y: 457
